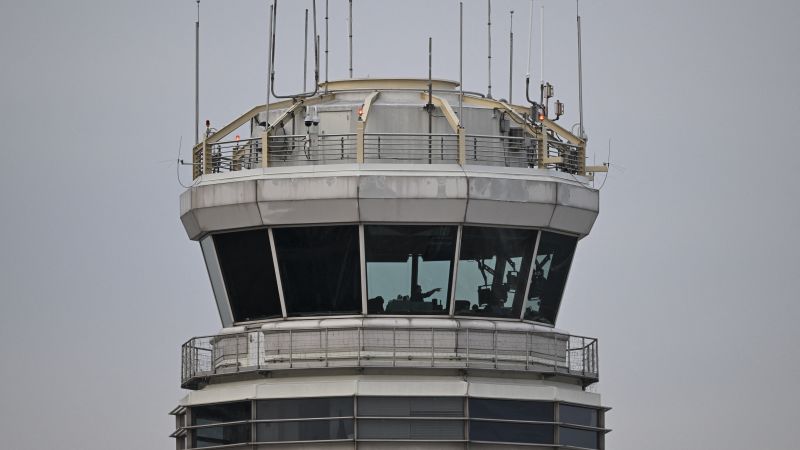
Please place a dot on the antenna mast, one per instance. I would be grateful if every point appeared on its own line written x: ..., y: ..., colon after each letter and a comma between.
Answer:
x: 305, y: 55
x: 197, y: 77
x: 580, y: 72
x: 350, y: 28
x: 489, y: 2
x: 326, y: 45
x: 511, y: 59
x: 461, y: 63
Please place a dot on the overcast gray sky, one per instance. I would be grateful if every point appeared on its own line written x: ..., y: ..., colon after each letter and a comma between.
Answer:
x: 689, y: 278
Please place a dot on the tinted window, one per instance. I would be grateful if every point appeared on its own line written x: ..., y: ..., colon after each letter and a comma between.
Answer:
x: 320, y: 269
x: 425, y: 430
x: 246, y: 261
x: 409, y: 268
x: 223, y: 412
x: 578, y: 438
x: 577, y: 415
x: 492, y: 271
x: 310, y: 430
x: 304, y: 408
x: 510, y: 432
x: 221, y: 435
x: 553, y: 259
x: 410, y: 407
x: 511, y: 409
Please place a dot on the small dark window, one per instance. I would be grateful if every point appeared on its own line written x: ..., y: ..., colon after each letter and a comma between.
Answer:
x: 578, y: 438
x: 304, y: 408
x: 553, y: 259
x: 492, y: 271
x: 510, y: 432
x: 409, y: 268
x: 246, y: 262
x: 404, y: 429
x: 220, y: 413
x: 222, y: 434
x: 307, y: 430
x: 410, y: 407
x: 577, y: 415
x: 320, y: 269
x: 511, y: 409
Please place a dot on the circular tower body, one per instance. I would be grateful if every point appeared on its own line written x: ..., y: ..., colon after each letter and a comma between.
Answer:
x: 388, y: 262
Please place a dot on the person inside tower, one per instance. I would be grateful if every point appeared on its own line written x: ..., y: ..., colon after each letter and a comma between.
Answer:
x: 417, y: 295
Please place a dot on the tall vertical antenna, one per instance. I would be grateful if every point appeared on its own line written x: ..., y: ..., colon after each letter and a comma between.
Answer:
x: 429, y: 106
x: 350, y: 29
x: 489, y: 93
x: 269, y: 66
x: 326, y: 45
x: 580, y: 72
x: 541, y: 47
x: 197, y: 77
x: 511, y: 59
x: 530, y: 41
x: 305, y: 55
x: 461, y: 63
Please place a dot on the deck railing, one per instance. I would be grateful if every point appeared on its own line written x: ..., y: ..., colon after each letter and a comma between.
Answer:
x: 464, y: 348
x: 420, y: 148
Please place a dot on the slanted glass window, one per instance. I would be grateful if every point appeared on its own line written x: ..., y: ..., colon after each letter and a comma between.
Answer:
x: 410, y: 430
x: 528, y: 433
x: 409, y: 268
x: 578, y: 438
x: 534, y: 411
x: 577, y: 415
x: 313, y: 424
x: 221, y: 434
x: 304, y: 408
x: 553, y: 260
x: 246, y: 262
x: 492, y: 271
x: 320, y: 269
x: 411, y: 407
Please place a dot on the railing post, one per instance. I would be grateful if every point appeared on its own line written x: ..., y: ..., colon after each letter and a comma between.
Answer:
x: 527, y: 348
x: 358, y: 354
x: 494, y: 344
x: 360, y: 141
x: 326, y: 347
x: 258, y: 350
x: 237, y: 337
x: 291, y: 348
x: 543, y: 151
x: 394, y: 347
x: 468, y: 344
x: 206, y: 157
x: 264, y: 149
x: 462, y: 146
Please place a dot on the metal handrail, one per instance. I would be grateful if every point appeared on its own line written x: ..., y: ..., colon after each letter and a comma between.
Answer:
x: 388, y: 347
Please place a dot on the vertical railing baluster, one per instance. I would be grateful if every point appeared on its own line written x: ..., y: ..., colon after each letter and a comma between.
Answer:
x: 291, y: 348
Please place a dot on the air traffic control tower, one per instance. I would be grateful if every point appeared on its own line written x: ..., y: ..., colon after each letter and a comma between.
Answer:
x: 388, y: 257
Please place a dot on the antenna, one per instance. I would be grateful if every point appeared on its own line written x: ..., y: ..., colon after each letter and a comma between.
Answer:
x: 489, y: 93
x: 541, y: 47
x: 305, y: 54
x: 197, y: 77
x: 580, y: 72
x: 429, y: 106
x: 511, y: 59
x: 326, y: 46
x: 528, y: 72
x: 461, y: 63
x: 269, y: 67
x: 272, y: 55
x: 350, y: 28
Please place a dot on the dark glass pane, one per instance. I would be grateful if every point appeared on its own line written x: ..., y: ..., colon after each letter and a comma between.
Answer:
x: 410, y: 407
x: 578, y: 438
x: 577, y: 415
x: 510, y: 432
x: 320, y: 269
x: 223, y: 412
x: 492, y: 271
x: 302, y: 408
x: 221, y: 435
x: 246, y: 262
x: 409, y: 268
x: 426, y: 430
x: 553, y: 259
x: 310, y: 430
x: 511, y: 409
